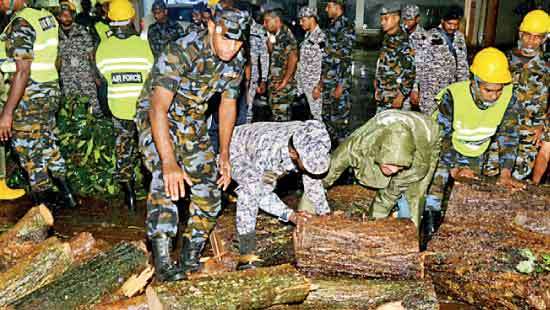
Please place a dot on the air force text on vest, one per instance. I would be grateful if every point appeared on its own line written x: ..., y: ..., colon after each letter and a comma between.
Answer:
x: 127, y: 78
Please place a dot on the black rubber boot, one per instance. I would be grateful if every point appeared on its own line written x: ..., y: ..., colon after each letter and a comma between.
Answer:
x: 247, y: 247
x: 190, y: 255
x: 165, y: 270
x: 66, y: 193
x: 48, y: 197
x: 130, y: 195
x: 431, y: 220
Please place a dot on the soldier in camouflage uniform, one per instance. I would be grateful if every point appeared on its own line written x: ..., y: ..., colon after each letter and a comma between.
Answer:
x: 259, y: 65
x: 76, y: 59
x: 395, y: 71
x: 283, y: 51
x: 440, y: 60
x: 262, y: 153
x: 312, y: 51
x: 336, y: 74
x: 410, y: 14
x: 28, y: 117
x: 173, y: 134
x: 164, y: 30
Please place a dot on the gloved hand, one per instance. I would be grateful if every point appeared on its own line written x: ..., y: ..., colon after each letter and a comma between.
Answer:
x: 270, y: 178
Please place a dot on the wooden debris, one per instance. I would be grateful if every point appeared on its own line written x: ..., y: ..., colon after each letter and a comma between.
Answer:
x: 83, y: 248
x: 137, y: 283
x: 385, y: 248
x: 486, y: 232
x: 88, y: 283
x: 353, y: 200
x: 135, y: 303
x: 47, y: 262
x: 249, y: 289
x: 22, y: 238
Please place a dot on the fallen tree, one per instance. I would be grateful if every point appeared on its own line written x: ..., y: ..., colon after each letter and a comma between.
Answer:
x: 249, y: 289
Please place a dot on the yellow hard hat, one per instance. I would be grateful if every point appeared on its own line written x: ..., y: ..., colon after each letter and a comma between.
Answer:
x: 120, y: 10
x: 212, y: 3
x: 536, y: 21
x: 491, y: 66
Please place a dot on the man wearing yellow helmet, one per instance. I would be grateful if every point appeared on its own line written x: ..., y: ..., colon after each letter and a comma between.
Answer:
x: 471, y: 114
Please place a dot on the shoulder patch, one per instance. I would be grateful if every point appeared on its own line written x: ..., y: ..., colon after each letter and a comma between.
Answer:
x: 47, y: 22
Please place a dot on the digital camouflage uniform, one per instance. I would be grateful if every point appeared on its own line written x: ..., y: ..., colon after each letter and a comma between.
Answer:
x: 337, y: 71
x: 506, y: 136
x: 190, y: 70
x: 308, y: 73
x: 259, y: 63
x: 395, y: 70
x: 159, y: 35
x: 280, y: 46
x: 34, y: 117
x: 263, y: 148
x: 436, y: 65
x: 77, y: 70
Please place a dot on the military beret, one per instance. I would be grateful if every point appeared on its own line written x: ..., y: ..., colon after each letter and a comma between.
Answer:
x: 307, y: 11
x: 390, y: 8
x: 410, y: 11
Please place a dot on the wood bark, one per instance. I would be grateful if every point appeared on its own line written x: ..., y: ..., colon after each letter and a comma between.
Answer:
x: 136, y: 303
x: 249, y: 289
x: 353, y: 200
x: 21, y: 239
x: 385, y: 248
x: 475, y: 252
x: 86, y: 284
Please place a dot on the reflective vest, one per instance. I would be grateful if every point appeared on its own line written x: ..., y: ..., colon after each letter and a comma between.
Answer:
x: 45, y: 45
x: 102, y: 30
x: 125, y: 64
x: 473, y: 127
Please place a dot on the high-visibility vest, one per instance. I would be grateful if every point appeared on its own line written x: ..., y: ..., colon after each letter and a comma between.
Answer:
x: 45, y: 45
x: 125, y: 64
x: 102, y: 30
x: 473, y: 127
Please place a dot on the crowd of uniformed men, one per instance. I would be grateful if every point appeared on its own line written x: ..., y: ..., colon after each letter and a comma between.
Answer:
x: 437, y: 117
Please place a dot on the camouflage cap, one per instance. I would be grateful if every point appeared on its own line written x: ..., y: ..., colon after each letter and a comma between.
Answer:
x: 312, y: 142
x: 159, y: 5
x: 390, y: 8
x: 270, y: 8
x: 307, y: 11
x: 234, y: 24
x: 410, y: 11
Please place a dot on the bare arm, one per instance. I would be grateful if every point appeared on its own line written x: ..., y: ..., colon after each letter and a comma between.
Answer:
x: 227, y: 116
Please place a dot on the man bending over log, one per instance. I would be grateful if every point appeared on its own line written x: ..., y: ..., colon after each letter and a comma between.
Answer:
x: 395, y: 152
x: 261, y: 153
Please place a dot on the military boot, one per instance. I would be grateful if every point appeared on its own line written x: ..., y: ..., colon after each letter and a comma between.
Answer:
x: 165, y: 270
x: 49, y: 198
x: 66, y: 193
x: 247, y: 247
x: 130, y: 195
x: 430, y: 224
x: 190, y: 255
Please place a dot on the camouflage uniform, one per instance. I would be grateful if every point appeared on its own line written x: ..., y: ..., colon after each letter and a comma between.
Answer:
x: 262, y: 148
x: 259, y: 63
x: 395, y: 70
x: 34, y: 118
x: 436, y: 65
x: 280, y: 46
x: 77, y: 71
x: 159, y: 35
x: 506, y: 136
x: 308, y: 74
x: 190, y: 70
x: 337, y: 71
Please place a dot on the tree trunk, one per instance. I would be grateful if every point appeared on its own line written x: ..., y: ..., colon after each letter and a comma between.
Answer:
x: 250, y: 289
x: 361, y: 294
x: 136, y: 303
x: 83, y: 248
x: 386, y: 248
x: 86, y: 284
x: 476, y: 252
x: 353, y: 200
x: 22, y: 238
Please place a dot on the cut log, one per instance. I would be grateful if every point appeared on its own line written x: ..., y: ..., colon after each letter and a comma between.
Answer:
x: 88, y: 283
x: 475, y: 253
x: 136, y: 303
x: 47, y: 262
x: 353, y: 200
x: 249, y: 289
x: 333, y: 245
x: 83, y: 248
x: 21, y: 239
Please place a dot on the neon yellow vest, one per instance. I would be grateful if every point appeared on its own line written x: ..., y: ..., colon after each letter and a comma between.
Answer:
x: 473, y: 127
x: 125, y: 64
x: 102, y: 30
x: 45, y: 46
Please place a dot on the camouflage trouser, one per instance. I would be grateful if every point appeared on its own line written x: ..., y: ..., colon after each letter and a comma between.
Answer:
x: 441, y: 177
x: 251, y: 94
x: 194, y: 153
x: 36, y: 144
x: 336, y: 112
x: 315, y: 105
x: 280, y: 102
x: 125, y: 149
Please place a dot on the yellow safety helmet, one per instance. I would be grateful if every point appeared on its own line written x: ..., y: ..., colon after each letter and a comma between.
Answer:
x: 212, y: 3
x: 536, y: 21
x: 120, y: 10
x: 491, y: 66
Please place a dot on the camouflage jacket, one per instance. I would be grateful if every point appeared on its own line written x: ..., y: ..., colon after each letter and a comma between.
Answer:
x: 285, y: 43
x: 159, y: 35
x: 395, y: 69
x: 76, y: 48
x: 312, y: 52
x: 436, y: 66
x: 259, y: 54
x: 263, y: 147
x: 531, y: 80
x: 337, y: 63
